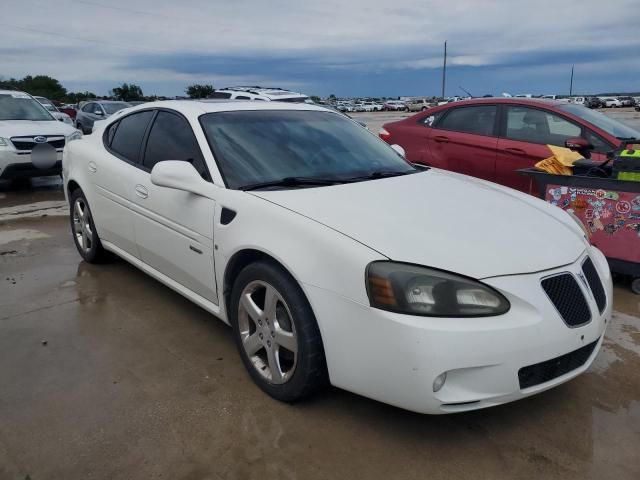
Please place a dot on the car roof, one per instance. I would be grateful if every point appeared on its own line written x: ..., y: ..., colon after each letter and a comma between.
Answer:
x: 547, y: 102
x: 199, y: 107
x: 8, y: 91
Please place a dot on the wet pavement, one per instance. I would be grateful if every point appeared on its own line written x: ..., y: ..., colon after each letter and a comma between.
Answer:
x: 106, y: 373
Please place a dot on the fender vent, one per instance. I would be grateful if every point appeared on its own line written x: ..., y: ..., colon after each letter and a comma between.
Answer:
x: 227, y: 216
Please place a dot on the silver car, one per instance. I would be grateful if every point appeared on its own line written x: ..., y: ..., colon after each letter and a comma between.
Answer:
x: 96, y: 110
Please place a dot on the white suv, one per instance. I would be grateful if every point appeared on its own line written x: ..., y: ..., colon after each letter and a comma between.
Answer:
x: 31, y: 140
x: 260, y: 93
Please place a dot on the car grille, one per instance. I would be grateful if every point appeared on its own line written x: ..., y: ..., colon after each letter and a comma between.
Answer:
x: 27, y: 143
x: 548, y: 370
x: 565, y: 293
x: 593, y: 279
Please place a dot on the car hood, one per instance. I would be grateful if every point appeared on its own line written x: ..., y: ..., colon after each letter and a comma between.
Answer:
x: 20, y: 128
x: 443, y: 220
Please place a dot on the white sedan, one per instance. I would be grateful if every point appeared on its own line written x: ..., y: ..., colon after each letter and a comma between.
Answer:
x: 336, y: 261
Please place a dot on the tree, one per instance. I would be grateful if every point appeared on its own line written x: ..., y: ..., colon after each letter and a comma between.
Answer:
x: 40, y: 85
x: 76, y: 97
x: 127, y: 92
x: 315, y: 98
x: 332, y: 97
x: 199, y: 91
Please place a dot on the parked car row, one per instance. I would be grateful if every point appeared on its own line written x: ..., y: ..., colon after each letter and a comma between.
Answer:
x: 335, y: 260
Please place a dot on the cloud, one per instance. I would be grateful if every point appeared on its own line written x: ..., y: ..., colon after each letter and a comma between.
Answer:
x: 320, y: 47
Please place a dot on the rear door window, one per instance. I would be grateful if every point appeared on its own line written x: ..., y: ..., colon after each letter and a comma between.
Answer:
x: 478, y: 119
x: 171, y: 138
x: 128, y: 136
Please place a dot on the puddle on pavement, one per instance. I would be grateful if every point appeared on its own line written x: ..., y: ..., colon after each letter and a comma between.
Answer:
x: 623, y: 336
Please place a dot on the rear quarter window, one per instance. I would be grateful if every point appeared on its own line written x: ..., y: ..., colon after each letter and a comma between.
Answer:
x: 128, y: 136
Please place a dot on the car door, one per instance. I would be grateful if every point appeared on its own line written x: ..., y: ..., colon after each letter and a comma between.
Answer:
x: 463, y: 140
x: 112, y: 173
x: 525, y: 133
x: 173, y: 228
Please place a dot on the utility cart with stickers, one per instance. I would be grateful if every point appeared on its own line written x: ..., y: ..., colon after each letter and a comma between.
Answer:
x: 605, y: 197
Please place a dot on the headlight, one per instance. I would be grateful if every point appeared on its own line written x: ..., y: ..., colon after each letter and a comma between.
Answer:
x: 415, y: 290
x: 583, y: 227
x: 77, y: 135
x: 67, y: 120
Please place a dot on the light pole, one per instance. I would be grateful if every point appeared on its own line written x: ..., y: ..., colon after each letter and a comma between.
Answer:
x: 571, y: 83
x: 444, y: 69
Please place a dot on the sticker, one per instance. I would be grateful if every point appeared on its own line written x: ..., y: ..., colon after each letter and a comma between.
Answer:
x: 636, y: 204
x: 612, y: 195
x: 580, y: 203
x: 600, y: 194
x: 623, y: 207
x: 564, y: 190
x: 610, y: 228
x: 588, y: 213
x: 598, y: 224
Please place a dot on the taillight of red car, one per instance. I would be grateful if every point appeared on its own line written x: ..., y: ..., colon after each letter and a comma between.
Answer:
x: 384, y: 135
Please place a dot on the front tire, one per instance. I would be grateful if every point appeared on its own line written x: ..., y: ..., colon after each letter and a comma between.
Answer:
x: 85, y: 235
x: 276, y: 333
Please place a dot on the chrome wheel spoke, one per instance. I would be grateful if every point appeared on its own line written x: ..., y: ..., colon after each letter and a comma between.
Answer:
x: 274, y: 364
x: 251, y: 308
x: 286, y: 339
x: 252, y: 344
x: 270, y: 302
x: 78, y: 211
x: 85, y: 239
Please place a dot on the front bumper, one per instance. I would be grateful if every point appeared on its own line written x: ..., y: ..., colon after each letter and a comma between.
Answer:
x: 395, y: 358
x: 17, y: 164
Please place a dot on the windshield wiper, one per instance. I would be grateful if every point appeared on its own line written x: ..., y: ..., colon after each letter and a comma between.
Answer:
x: 380, y: 174
x: 625, y: 139
x: 292, y: 182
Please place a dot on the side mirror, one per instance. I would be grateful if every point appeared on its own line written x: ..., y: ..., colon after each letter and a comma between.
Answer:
x: 179, y: 175
x: 578, y: 144
x: 399, y: 150
x: 98, y: 112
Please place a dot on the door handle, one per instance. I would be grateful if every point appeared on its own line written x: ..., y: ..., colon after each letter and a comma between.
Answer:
x: 519, y: 151
x: 441, y: 139
x: 93, y: 168
x: 141, y: 191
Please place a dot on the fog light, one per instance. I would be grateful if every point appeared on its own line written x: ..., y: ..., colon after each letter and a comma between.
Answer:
x: 438, y: 383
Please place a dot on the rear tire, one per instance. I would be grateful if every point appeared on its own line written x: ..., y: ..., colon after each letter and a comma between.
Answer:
x: 635, y: 286
x: 84, y: 232
x: 276, y: 333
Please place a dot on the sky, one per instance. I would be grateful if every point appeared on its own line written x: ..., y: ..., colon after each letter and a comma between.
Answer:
x: 322, y: 47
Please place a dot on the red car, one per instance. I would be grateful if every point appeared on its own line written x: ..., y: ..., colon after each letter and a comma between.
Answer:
x: 491, y: 138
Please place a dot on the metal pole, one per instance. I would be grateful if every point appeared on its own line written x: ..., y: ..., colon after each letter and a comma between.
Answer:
x: 444, y: 69
x: 571, y: 84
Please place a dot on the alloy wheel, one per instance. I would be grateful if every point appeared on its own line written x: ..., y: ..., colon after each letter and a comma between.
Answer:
x: 267, y: 332
x: 82, y: 225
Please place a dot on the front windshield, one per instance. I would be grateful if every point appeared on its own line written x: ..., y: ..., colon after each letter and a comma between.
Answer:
x: 608, y: 124
x: 19, y: 106
x: 263, y: 146
x: 114, y: 107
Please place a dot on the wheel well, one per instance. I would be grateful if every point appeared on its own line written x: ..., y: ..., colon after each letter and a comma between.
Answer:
x: 235, y: 265
x: 72, y: 186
